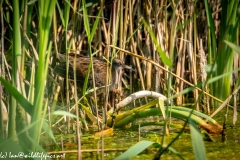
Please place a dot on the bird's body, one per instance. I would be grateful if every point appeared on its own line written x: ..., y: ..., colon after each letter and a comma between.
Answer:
x: 100, y: 71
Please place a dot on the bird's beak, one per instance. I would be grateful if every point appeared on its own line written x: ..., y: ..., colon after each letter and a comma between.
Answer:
x: 127, y: 67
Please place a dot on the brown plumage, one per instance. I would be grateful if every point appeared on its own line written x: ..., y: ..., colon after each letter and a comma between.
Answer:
x: 100, y: 71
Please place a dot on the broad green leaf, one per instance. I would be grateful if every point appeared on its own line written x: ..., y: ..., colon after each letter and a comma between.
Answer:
x: 197, y: 113
x: 18, y: 96
x: 48, y: 130
x: 233, y: 46
x: 60, y: 14
x: 135, y: 150
x: 197, y: 141
x: 164, y: 58
x: 6, y: 145
x: 95, y: 25
x: 162, y: 107
x: 175, y: 152
x: 86, y: 21
x: 92, y: 118
x: 64, y: 113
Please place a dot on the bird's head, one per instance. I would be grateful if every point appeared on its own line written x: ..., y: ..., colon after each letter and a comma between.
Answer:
x: 117, y: 64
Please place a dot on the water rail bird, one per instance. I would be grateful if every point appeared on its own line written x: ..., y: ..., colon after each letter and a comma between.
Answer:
x: 100, y: 71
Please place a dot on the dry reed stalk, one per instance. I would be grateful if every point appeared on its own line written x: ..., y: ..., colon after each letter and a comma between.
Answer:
x: 192, y: 53
x: 133, y: 47
x: 179, y: 66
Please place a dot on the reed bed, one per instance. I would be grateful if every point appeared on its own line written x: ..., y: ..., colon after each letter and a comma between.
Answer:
x: 186, y: 50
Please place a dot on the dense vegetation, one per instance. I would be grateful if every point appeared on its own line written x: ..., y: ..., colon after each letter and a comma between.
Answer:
x: 185, y: 50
